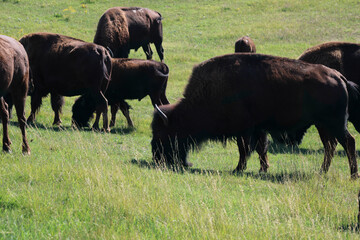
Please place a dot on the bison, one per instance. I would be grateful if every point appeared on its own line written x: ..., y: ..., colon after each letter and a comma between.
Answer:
x: 245, y: 44
x: 123, y: 28
x: 345, y: 58
x: 130, y: 79
x: 65, y: 66
x: 14, y: 79
x: 244, y: 96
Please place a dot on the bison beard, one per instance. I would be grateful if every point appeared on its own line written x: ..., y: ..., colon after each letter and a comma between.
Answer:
x: 246, y: 96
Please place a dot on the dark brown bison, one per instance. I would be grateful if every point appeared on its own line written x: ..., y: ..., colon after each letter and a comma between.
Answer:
x: 130, y: 79
x: 344, y: 57
x: 244, y: 96
x: 14, y: 79
x: 65, y: 66
x: 245, y: 44
x: 125, y: 28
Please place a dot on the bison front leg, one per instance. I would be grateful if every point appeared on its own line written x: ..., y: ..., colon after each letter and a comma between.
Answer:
x: 114, y: 109
x: 261, y: 149
x: 102, y: 107
x: 57, y: 101
x: 5, y: 119
x: 244, y: 152
x: 97, y: 119
x: 148, y: 52
x: 36, y: 101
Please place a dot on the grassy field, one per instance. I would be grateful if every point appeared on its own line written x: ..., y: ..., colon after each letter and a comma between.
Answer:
x: 89, y: 185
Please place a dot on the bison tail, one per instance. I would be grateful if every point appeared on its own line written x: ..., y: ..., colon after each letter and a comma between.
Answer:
x: 107, y: 65
x: 83, y: 110
x: 163, y: 72
x: 354, y: 104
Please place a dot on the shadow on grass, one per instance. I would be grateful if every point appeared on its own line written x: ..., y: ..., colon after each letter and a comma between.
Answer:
x: 119, y: 130
x: 277, y: 148
x: 353, y: 227
x: 7, y: 205
x: 281, y: 177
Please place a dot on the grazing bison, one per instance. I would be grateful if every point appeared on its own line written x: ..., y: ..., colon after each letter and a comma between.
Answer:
x: 245, y: 44
x: 344, y: 57
x: 65, y: 66
x: 14, y: 79
x: 244, y: 96
x: 125, y: 28
x: 130, y: 79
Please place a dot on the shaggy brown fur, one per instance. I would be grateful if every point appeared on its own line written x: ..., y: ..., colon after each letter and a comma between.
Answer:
x: 247, y: 95
x: 125, y: 28
x: 65, y: 66
x: 245, y: 44
x: 14, y: 79
x: 131, y: 79
x: 342, y: 56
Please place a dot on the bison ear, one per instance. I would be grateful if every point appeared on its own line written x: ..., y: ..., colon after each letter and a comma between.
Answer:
x: 162, y: 115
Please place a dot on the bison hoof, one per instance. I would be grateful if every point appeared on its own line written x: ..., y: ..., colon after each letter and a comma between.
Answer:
x: 188, y: 164
x: 7, y: 150
x: 105, y: 130
x: 57, y: 123
x: 263, y: 170
x: 355, y: 176
x: 26, y: 152
x: 237, y: 171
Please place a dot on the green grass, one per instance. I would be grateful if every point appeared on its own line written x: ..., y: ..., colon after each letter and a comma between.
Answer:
x: 88, y: 185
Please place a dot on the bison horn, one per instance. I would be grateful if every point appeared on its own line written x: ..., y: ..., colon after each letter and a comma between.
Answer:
x: 110, y: 52
x: 162, y: 115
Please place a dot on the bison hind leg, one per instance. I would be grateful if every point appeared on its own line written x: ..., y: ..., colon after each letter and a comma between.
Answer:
x: 124, y: 107
x: 5, y: 119
x: 329, y: 137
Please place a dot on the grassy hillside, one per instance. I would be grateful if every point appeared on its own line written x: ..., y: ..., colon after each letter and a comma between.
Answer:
x: 88, y: 185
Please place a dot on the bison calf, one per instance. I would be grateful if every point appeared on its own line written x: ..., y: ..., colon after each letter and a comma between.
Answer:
x: 130, y: 79
x: 245, y: 44
x: 244, y: 96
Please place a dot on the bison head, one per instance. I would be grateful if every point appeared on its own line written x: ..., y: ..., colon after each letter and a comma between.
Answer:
x: 169, y: 148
